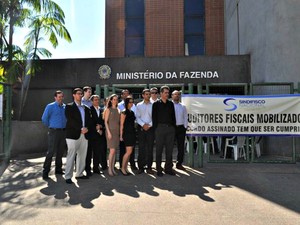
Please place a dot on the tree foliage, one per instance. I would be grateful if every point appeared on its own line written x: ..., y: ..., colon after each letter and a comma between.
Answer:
x: 44, y: 20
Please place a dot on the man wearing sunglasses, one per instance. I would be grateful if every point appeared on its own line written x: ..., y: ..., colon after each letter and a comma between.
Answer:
x: 154, y: 95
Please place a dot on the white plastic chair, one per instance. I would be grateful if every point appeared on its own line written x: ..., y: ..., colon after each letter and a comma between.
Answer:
x: 187, y: 145
x: 212, y: 145
x: 240, y: 145
x: 257, y: 146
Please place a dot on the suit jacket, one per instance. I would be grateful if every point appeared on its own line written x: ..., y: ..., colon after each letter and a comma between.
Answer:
x: 74, y: 121
x: 96, y: 120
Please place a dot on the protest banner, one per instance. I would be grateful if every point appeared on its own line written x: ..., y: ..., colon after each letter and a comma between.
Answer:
x: 217, y: 115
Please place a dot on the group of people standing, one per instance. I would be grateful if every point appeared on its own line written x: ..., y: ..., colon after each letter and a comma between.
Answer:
x: 88, y: 131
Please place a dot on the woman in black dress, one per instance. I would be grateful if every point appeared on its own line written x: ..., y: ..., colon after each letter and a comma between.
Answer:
x: 127, y: 132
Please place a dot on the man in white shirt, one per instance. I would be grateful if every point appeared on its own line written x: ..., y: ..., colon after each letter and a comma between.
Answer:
x: 121, y: 105
x: 181, y: 125
x: 145, y: 133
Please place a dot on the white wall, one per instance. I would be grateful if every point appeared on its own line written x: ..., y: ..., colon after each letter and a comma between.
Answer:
x: 269, y: 30
x: 28, y: 137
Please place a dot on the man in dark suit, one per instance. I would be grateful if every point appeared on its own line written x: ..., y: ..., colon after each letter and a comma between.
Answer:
x: 97, y: 139
x: 164, y: 122
x: 77, y: 131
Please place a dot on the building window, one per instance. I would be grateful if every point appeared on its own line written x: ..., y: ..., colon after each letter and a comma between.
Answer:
x: 194, y: 26
x: 135, y: 27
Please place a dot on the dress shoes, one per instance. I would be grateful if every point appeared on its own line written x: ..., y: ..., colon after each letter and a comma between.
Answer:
x: 69, y: 181
x: 159, y: 173
x: 133, y: 167
x: 82, y: 178
x: 59, y: 172
x: 150, y: 171
x: 170, y: 172
x: 124, y: 174
x: 180, y: 167
x: 96, y: 171
x: 89, y: 173
x: 45, y: 177
x: 140, y: 171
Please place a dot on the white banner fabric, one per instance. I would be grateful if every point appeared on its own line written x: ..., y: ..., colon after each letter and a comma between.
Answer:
x: 219, y: 115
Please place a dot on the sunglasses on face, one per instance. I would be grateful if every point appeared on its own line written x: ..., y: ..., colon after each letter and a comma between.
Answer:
x: 154, y: 93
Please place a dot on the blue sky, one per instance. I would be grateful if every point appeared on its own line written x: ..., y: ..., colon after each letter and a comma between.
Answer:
x: 85, y: 20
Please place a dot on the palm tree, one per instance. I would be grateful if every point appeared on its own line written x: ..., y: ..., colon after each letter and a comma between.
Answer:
x: 45, y: 20
x: 47, y: 23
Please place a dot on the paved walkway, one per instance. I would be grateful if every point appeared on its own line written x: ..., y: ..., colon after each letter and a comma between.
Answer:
x: 216, y: 194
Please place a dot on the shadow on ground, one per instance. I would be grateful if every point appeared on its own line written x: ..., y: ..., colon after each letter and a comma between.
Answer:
x: 22, y: 186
